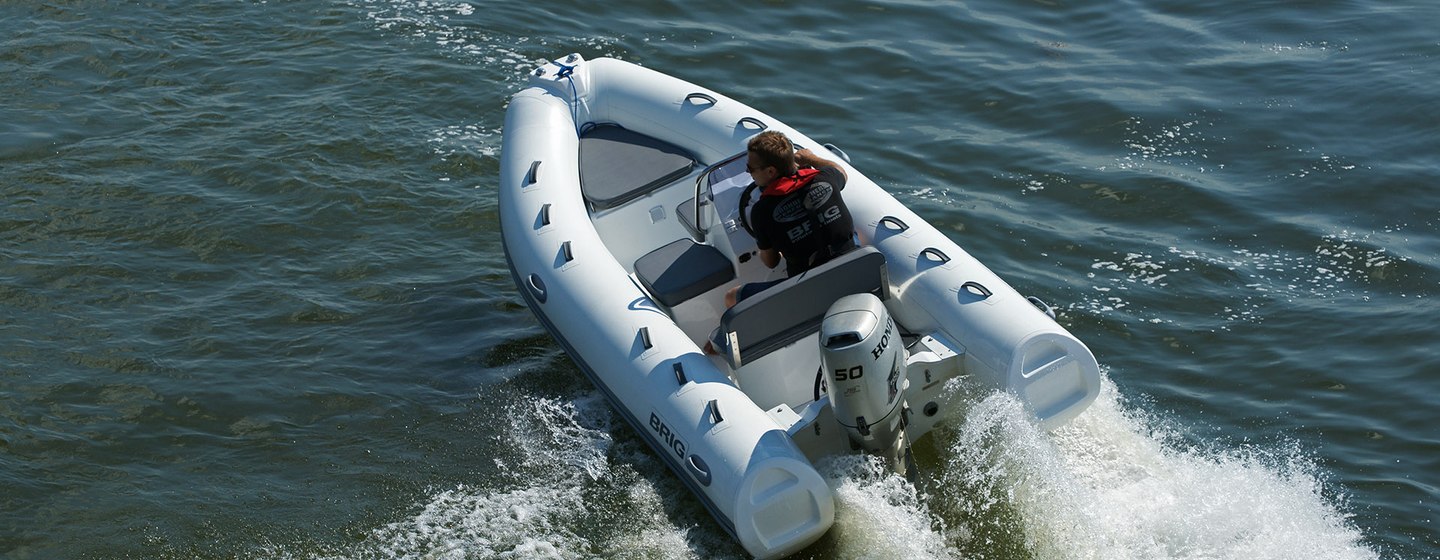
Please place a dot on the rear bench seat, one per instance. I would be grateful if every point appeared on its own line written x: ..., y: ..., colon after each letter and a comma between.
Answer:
x: 791, y: 310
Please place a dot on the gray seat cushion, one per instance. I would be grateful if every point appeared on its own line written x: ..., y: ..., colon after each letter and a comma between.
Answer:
x: 682, y: 270
x: 791, y: 310
x: 618, y: 165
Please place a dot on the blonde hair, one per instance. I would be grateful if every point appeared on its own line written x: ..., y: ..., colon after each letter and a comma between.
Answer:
x: 774, y: 149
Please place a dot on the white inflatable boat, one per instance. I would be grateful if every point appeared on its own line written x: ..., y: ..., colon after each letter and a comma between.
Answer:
x: 619, y: 189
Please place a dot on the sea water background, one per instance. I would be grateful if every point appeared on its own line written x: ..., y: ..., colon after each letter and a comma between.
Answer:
x: 253, y: 301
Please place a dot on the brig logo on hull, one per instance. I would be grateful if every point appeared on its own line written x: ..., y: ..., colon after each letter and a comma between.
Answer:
x: 670, y: 440
x: 667, y: 436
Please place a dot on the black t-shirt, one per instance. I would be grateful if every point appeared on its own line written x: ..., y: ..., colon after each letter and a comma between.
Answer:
x: 806, y: 225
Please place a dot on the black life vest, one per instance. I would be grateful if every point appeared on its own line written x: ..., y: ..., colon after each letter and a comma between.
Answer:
x: 781, y: 186
x: 785, y: 186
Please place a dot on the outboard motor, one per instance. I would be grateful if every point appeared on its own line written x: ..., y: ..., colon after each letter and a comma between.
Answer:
x: 861, y: 352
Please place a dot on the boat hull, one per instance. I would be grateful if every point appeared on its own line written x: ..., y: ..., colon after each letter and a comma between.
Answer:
x: 742, y: 438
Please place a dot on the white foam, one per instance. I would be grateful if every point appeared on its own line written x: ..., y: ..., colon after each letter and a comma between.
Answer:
x: 879, y: 514
x: 563, y: 500
x: 465, y: 523
x: 564, y: 444
x: 1113, y: 485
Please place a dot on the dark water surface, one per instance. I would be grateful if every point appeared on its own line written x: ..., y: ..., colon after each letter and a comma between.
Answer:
x: 253, y: 302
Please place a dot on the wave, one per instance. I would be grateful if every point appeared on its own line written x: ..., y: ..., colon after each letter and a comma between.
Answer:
x: 1115, y: 483
x: 1120, y: 483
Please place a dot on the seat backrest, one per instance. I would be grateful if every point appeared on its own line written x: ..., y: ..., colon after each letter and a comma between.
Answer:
x: 791, y: 310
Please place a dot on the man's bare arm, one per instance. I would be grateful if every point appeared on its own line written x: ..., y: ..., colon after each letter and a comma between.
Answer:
x: 807, y: 158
